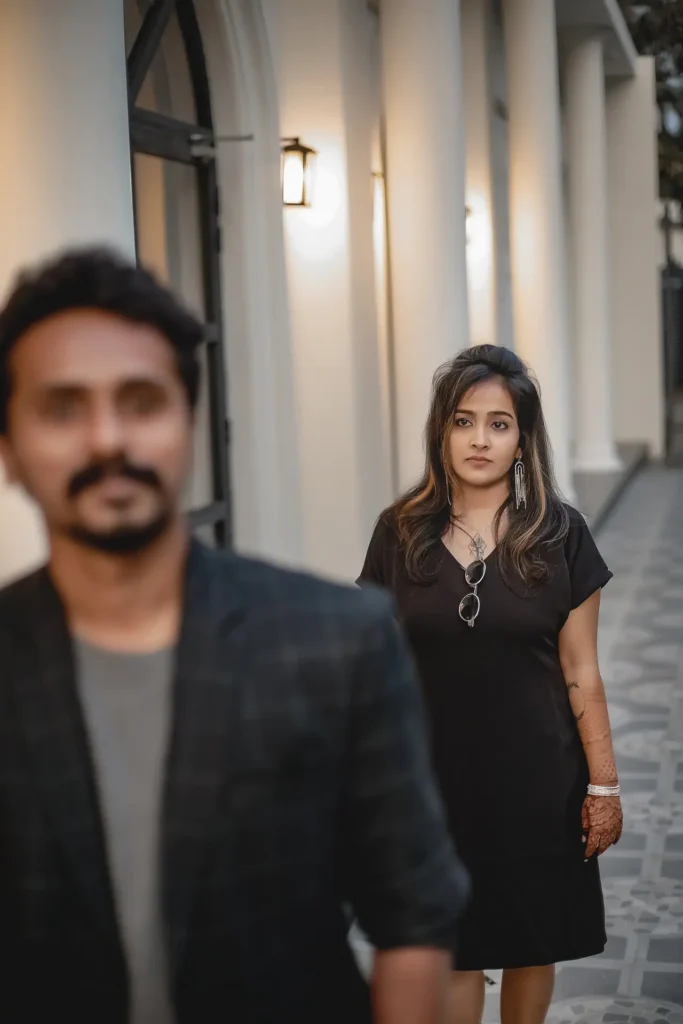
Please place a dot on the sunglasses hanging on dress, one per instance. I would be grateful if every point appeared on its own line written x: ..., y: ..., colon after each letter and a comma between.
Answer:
x: 470, y: 606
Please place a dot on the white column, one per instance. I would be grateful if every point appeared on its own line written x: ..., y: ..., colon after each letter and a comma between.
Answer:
x: 587, y: 153
x: 66, y: 165
x: 481, y: 234
x: 636, y: 287
x: 425, y: 148
x: 537, y: 214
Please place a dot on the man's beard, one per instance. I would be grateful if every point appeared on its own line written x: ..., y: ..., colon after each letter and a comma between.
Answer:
x: 122, y: 540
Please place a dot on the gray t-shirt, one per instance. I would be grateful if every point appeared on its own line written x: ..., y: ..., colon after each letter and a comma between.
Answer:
x: 127, y: 701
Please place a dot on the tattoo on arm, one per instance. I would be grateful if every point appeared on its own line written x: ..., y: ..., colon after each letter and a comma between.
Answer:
x: 578, y: 715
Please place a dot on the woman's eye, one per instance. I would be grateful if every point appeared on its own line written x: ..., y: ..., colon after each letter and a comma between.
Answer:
x: 499, y: 425
x: 462, y: 422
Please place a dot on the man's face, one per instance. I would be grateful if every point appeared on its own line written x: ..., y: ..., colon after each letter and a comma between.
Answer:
x: 99, y: 430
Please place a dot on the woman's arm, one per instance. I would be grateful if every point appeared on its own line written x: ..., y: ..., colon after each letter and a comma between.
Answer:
x: 602, y: 816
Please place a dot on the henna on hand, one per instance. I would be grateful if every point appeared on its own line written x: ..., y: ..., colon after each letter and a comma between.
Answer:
x: 603, y: 821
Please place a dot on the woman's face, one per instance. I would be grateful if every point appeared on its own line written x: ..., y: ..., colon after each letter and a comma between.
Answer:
x: 484, y: 441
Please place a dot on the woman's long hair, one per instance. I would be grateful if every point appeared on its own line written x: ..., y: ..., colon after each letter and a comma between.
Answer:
x: 423, y: 514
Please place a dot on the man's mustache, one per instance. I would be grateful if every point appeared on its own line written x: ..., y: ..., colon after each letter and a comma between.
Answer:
x: 105, y: 468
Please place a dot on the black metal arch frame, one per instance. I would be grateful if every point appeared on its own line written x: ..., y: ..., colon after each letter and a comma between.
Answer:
x: 192, y: 144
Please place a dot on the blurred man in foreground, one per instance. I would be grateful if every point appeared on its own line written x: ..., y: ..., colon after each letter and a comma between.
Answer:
x: 202, y: 758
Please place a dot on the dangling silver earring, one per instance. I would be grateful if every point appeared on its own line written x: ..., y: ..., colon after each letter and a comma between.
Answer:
x: 520, y: 484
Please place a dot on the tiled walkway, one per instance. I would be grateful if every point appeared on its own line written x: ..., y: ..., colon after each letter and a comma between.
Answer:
x: 639, y: 979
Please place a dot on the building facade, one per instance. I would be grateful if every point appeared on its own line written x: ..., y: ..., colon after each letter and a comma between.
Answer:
x: 485, y: 172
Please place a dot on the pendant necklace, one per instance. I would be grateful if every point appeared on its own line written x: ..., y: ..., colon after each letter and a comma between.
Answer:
x: 477, y: 545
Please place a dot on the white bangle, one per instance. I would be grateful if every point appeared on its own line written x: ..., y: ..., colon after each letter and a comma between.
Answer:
x: 604, y: 790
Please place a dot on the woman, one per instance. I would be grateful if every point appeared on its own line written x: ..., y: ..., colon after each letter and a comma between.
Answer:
x: 497, y: 584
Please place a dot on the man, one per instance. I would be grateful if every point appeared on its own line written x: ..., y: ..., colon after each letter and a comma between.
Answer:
x: 203, y: 759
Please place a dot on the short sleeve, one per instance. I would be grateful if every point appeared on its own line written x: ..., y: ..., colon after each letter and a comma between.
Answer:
x: 377, y: 567
x: 587, y: 569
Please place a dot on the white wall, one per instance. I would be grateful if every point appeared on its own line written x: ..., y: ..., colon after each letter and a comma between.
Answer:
x: 326, y: 59
x: 66, y: 167
x: 635, y: 255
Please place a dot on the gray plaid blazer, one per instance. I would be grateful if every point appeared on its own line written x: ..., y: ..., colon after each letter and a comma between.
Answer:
x: 297, y: 783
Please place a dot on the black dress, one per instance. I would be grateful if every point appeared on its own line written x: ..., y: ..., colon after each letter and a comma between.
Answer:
x: 506, y: 749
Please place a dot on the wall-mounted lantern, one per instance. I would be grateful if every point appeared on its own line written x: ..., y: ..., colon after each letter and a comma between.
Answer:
x: 298, y: 173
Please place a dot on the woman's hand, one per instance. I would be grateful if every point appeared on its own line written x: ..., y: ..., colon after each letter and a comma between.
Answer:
x: 603, y: 821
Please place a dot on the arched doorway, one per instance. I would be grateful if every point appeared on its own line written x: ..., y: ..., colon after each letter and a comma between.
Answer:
x: 177, y: 217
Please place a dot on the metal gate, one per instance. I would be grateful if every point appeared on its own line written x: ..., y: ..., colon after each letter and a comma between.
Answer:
x: 191, y: 144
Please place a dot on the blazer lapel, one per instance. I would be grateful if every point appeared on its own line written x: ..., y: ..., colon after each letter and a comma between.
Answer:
x: 209, y: 672
x: 43, y: 677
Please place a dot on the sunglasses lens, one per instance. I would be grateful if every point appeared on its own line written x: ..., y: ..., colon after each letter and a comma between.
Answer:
x: 475, y: 573
x: 469, y: 608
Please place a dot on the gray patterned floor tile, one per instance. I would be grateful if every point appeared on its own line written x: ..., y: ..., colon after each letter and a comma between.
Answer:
x: 621, y: 867
x: 615, y: 948
x: 666, y: 951
x: 632, y: 843
x: 653, y: 693
x: 619, y: 672
x: 663, y: 985
x: 574, y: 982
x: 661, y: 654
x: 673, y: 869
x: 638, y: 784
x: 648, y: 744
x: 639, y: 978
x: 614, y: 1011
x: 636, y: 767
x: 637, y: 907
x: 652, y: 814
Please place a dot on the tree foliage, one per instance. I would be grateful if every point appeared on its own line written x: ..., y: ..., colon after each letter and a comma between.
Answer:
x: 657, y: 30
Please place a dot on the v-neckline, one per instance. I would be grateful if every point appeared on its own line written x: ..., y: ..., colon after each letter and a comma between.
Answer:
x: 459, y: 564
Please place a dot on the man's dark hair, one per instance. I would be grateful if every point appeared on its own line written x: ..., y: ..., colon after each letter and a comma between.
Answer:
x: 97, y: 278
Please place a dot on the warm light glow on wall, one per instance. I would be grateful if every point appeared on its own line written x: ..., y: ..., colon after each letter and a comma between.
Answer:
x: 478, y: 231
x: 318, y: 233
x: 480, y: 270
x: 379, y: 224
x: 328, y: 197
